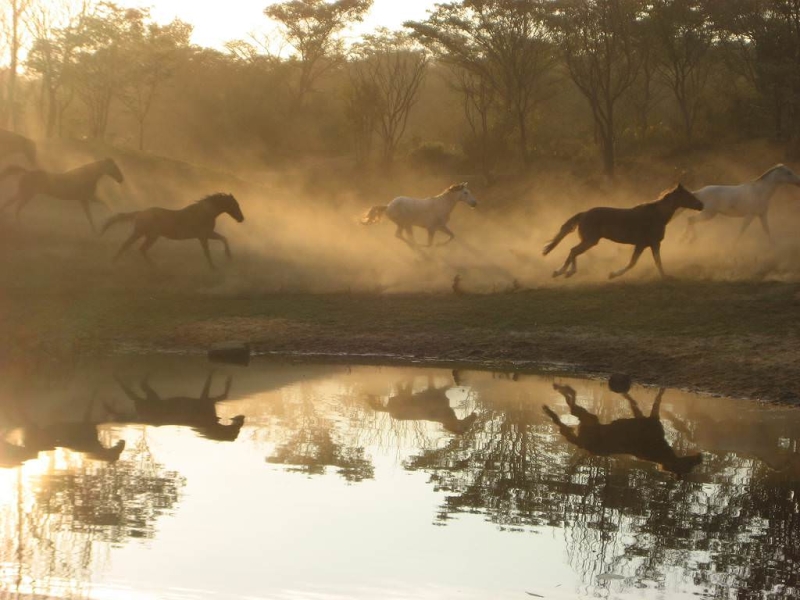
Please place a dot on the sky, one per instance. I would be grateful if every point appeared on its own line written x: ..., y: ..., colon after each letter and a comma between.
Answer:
x: 216, y: 23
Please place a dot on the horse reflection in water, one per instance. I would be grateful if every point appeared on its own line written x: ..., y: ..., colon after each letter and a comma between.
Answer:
x: 430, y: 404
x: 641, y: 436
x: 200, y: 414
x: 76, y: 436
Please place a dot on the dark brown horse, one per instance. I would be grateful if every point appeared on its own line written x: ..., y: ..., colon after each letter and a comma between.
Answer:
x: 13, y: 144
x: 195, y: 221
x: 642, y: 437
x: 78, y: 185
x: 642, y: 226
x: 198, y: 413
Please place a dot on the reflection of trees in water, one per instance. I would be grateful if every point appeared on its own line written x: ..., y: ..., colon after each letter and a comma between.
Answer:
x: 310, y: 435
x: 734, y: 526
x: 59, y: 526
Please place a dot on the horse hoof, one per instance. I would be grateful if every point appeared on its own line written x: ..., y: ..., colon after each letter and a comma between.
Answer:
x: 556, y: 274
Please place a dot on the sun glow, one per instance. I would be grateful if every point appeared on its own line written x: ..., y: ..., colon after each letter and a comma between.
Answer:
x: 213, y: 26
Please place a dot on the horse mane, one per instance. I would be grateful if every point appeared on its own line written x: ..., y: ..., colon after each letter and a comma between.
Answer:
x: 769, y: 171
x: 211, y: 198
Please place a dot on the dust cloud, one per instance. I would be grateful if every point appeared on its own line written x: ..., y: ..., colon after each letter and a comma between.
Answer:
x: 302, y: 231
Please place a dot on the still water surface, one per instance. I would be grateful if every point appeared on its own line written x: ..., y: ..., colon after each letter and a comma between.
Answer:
x: 160, y: 478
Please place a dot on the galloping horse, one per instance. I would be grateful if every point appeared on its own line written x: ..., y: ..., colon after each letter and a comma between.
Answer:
x: 640, y: 436
x: 643, y: 226
x: 747, y: 200
x: 12, y: 144
x: 429, y: 213
x: 78, y: 185
x: 195, y: 221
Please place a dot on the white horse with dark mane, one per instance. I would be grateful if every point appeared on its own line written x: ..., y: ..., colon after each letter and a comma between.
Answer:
x: 748, y: 200
x: 429, y: 213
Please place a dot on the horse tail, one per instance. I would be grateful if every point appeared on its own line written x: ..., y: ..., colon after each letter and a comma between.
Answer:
x: 566, y: 229
x: 119, y: 218
x: 374, y: 215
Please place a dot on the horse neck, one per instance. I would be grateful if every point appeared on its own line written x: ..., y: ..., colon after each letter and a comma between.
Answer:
x: 447, y: 201
x: 765, y: 187
x: 667, y: 207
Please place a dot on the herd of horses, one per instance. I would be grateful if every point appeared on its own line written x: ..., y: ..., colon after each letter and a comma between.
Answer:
x: 642, y: 226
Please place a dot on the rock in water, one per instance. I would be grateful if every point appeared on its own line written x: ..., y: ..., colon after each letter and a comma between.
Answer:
x: 619, y: 383
x: 236, y: 353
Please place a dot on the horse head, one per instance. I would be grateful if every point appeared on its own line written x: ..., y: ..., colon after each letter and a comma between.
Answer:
x: 228, y: 204
x: 683, y: 198
x: 463, y: 194
x: 781, y: 174
x: 111, y: 169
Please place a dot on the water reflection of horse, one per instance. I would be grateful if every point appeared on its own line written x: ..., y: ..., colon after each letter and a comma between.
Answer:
x: 431, y: 213
x: 745, y: 201
x: 78, y: 185
x: 200, y: 414
x: 430, y: 404
x: 195, y: 221
x: 77, y: 436
x: 641, y: 436
x: 642, y: 226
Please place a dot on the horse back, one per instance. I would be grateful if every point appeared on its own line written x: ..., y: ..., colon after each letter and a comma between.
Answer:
x: 640, y: 225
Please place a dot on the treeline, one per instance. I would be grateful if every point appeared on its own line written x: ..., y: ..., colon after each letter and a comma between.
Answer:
x: 486, y: 83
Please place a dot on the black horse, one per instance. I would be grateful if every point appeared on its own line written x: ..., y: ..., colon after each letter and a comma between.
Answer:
x: 195, y: 221
x: 198, y: 413
x: 13, y: 144
x: 643, y: 226
x: 78, y: 185
x: 642, y: 437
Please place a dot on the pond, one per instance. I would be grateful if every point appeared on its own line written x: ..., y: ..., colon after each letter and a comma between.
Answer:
x: 164, y: 477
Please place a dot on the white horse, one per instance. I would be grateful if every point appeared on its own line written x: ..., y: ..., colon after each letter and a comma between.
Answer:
x: 429, y: 213
x: 748, y: 200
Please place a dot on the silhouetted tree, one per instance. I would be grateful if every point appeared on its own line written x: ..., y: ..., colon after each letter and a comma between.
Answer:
x: 311, y: 28
x: 389, y: 69
x: 598, y: 44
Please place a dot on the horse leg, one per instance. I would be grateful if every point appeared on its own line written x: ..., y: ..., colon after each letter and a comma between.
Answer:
x: 656, y: 250
x: 399, y: 232
x: 657, y: 404
x: 148, y: 243
x: 218, y: 236
x: 445, y: 229
x: 765, y: 225
x: 410, y: 232
x: 204, y: 244
x: 431, y: 233
x: 637, y: 252
x: 634, y: 406
x: 88, y: 212
x: 565, y: 430
x: 747, y: 220
x: 571, y: 261
x: 127, y: 244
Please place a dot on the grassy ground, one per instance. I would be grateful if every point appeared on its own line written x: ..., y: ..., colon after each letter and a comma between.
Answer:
x: 739, y: 339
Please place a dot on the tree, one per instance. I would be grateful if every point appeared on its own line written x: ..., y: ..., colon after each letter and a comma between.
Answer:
x: 390, y: 71
x: 14, y: 14
x: 597, y: 38
x: 685, y: 36
x: 152, y: 53
x: 505, y: 43
x: 58, y: 32
x: 311, y: 28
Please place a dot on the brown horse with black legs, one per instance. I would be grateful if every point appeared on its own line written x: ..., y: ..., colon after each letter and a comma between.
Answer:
x: 195, y: 221
x: 78, y: 185
x: 642, y: 436
x: 642, y: 226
